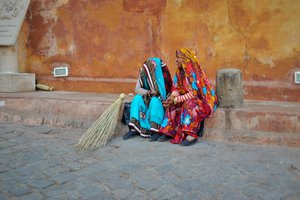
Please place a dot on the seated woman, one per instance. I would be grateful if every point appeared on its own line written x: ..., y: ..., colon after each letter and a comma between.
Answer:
x: 192, y: 100
x: 146, y: 111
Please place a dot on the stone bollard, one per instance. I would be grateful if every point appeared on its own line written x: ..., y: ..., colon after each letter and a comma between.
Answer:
x: 229, y: 88
x: 11, y: 18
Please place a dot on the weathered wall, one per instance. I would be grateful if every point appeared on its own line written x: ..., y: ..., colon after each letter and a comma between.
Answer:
x: 105, y: 42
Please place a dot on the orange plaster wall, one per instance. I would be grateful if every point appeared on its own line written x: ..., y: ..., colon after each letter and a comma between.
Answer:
x: 105, y: 42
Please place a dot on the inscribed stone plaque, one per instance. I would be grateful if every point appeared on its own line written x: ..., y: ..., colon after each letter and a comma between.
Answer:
x: 12, y: 13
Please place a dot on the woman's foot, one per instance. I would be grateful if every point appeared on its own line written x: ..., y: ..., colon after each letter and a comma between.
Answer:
x: 154, y: 137
x: 163, y: 138
x: 188, y: 141
x: 130, y: 134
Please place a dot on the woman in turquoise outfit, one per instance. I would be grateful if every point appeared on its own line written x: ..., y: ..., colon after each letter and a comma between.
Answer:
x: 147, y: 111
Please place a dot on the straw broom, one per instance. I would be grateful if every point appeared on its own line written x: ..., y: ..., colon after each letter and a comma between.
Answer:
x: 102, y: 130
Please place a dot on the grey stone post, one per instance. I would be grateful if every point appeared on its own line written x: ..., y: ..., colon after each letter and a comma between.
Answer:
x: 9, y: 59
x: 229, y: 88
x: 12, y: 13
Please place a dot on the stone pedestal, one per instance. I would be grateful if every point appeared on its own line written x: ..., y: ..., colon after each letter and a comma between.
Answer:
x: 11, y: 17
x: 229, y: 88
x: 10, y: 79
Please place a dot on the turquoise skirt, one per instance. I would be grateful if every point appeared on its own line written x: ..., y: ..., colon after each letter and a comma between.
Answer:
x: 145, y: 115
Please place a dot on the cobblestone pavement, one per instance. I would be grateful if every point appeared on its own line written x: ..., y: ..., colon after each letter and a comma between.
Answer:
x: 40, y: 162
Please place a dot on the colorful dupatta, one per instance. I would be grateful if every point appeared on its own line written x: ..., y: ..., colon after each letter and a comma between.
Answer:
x: 200, y: 86
x: 197, y: 99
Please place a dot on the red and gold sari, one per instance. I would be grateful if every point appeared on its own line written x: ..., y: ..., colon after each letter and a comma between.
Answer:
x: 196, y: 99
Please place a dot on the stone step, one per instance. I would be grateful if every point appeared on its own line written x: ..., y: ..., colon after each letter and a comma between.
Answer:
x: 260, y: 122
x: 58, y: 109
x: 265, y: 116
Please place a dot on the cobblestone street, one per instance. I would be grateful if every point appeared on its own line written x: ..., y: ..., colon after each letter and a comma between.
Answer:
x: 41, y: 162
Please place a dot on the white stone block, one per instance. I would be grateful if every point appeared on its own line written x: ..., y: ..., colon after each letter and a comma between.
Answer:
x: 17, y: 82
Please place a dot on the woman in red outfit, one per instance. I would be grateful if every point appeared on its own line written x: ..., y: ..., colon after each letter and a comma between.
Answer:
x: 192, y: 100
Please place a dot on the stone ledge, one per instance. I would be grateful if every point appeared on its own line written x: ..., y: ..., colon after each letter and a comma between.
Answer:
x: 17, y: 82
x: 258, y: 122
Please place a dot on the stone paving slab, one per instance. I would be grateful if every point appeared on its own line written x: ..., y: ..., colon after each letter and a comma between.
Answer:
x: 41, y: 162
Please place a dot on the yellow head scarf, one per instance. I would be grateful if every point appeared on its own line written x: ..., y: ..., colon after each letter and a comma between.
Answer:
x: 186, y: 55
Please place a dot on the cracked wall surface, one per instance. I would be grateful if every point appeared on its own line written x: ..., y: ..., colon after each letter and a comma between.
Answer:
x: 105, y: 42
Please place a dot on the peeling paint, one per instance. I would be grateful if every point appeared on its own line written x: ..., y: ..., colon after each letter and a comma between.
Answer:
x: 267, y: 60
x: 72, y: 48
x: 178, y: 3
x: 62, y: 2
x: 152, y: 7
x: 49, y: 16
x: 48, y: 46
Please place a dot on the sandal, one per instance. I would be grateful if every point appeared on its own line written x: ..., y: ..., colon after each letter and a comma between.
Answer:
x: 130, y: 134
x: 188, y: 142
x: 163, y: 138
x: 154, y: 137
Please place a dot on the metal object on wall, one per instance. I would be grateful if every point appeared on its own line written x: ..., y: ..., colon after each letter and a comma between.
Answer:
x: 297, y: 77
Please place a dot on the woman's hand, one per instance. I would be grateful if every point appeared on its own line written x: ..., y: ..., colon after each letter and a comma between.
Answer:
x: 169, y: 101
x: 152, y: 93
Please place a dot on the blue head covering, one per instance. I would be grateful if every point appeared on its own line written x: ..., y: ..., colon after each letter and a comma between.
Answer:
x: 160, y: 81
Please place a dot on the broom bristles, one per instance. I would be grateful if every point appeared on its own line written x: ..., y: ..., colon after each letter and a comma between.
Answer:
x: 102, y: 130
